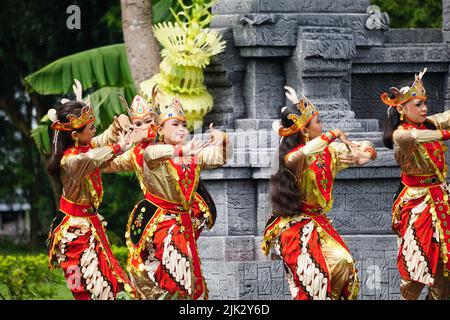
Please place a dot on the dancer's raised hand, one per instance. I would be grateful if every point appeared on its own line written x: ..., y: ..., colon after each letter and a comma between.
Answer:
x: 215, y: 136
x: 124, y: 141
x: 341, y: 135
x: 124, y: 122
x: 194, y: 147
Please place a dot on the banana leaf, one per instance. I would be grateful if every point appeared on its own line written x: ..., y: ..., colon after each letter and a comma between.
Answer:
x: 100, y: 67
x: 103, y: 70
x: 41, y: 137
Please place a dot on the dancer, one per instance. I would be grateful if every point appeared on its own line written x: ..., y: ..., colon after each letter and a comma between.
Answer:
x: 163, y: 228
x: 420, y: 214
x: 318, y: 264
x: 77, y: 239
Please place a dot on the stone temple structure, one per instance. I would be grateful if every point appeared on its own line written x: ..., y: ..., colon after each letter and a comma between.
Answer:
x: 342, y: 55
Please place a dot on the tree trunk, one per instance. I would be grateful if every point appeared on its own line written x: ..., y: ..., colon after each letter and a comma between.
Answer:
x: 142, y: 47
x: 41, y: 103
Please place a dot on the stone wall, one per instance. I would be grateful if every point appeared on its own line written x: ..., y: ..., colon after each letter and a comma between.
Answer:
x: 232, y: 260
x: 366, y: 90
x: 342, y: 55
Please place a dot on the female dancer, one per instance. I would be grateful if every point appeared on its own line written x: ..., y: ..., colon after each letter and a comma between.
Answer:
x: 77, y: 240
x: 163, y: 228
x: 421, y: 216
x: 317, y: 261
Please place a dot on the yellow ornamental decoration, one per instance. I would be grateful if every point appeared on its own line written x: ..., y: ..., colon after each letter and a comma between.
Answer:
x: 188, y: 46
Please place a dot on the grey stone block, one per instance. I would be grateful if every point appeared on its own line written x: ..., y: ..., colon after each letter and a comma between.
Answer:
x: 362, y: 222
x: 241, y: 208
x: 278, y: 289
x: 264, y: 281
x: 239, y: 248
x: 250, y: 290
x: 211, y: 248
x: 362, y: 202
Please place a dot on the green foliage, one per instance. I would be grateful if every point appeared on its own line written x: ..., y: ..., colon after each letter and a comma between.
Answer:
x: 102, y: 67
x: 161, y: 10
x: 121, y: 254
x: 412, y: 13
x: 105, y: 68
x: 121, y: 193
x: 41, y: 136
x: 27, y: 277
x: 34, y: 33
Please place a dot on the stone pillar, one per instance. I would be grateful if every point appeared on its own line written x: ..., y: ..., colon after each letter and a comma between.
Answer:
x: 317, y: 69
x: 224, y: 79
x: 446, y: 19
x: 446, y: 38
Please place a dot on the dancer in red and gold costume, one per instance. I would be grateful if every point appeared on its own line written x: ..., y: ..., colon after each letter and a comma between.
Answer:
x: 421, y: 216
x: 163, y: 228
x: 77, y: 240
x: 318, y: 264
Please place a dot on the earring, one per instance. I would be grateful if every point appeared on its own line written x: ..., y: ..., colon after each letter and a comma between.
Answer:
x: 306, y: 137
x: 401, y: 116
x: 76, y: 142
x: 161, y: 137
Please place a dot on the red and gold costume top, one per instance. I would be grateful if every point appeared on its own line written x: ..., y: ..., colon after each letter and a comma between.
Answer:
x: 314, y: 166
x: 164, y: 174
x: 414, y: 145
x: 80, y: 174
x: 421, y: 207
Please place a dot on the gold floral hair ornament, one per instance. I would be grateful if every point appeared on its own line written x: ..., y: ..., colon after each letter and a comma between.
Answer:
x: 307, y: 109
x: 405, y: 94
x: 87, y: 113
x: 139, y: 109
x: 165, y: 110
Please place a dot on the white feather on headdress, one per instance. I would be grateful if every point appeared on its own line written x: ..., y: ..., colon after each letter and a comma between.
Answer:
x: 52, y: 115
x: 291, y: 94
x: 422, y: 73
x: 78, y: 90
x: 276, y: 125
x: 389, y: 109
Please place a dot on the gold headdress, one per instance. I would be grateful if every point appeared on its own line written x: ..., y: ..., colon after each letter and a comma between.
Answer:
x: 166, y: 110
x: 139, y: 109
x: 405, y: 94
x: 307, y: 109
x: 87, y: 114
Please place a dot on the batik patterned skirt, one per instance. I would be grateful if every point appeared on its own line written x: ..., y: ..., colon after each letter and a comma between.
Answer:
x: 317, y: 262
x: 163, y: 254
x: 421, y: 219
x: 78, y: 244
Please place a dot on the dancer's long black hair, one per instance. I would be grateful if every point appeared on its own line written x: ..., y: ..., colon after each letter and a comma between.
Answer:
x: 204, y: 193
x: 64, y: 139
x: 284, y: 193
x: 393, y: 121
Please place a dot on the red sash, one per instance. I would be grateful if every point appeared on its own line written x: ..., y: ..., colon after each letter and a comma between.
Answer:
x: 316, y: 213
x: 77, y: 210
x: 420, y: 181
x: 165, y: 204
